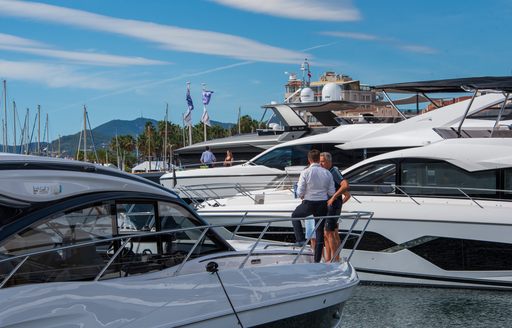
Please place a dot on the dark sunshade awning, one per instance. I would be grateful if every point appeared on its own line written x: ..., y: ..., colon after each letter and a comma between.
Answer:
x: 501, y: 83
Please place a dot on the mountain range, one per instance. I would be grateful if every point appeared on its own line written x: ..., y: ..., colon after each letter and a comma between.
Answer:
x: 104, y: 133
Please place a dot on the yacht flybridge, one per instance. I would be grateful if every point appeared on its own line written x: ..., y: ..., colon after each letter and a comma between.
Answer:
x: 90, y: 246
x: 282, y: 163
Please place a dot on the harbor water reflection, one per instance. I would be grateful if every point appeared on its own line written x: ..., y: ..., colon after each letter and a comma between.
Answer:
x: 389, y: 307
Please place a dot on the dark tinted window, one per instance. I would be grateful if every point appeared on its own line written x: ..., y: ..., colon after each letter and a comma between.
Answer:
x: 343, y: 158
x: 297, y: 155
x: 373, y: 177
x: 507, y: 183
x: 441, y: 178
x: 469, y: 255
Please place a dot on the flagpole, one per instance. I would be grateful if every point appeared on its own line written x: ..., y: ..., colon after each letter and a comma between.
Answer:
x: 183, y: 125
x: 188, y: 115
x: 204, y: 128
x: 204, y: 110
x: 190, y: 135
x: 239, y: 126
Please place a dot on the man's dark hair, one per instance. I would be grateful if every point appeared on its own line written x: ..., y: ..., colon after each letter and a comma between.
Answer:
x: 207, y: 147
x: 314, y: 155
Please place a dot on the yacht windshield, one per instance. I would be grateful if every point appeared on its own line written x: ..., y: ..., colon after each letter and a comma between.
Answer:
x: 77, y: 244
x: 297, y: 155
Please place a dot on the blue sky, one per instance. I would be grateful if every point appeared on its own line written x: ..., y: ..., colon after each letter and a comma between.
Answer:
x: 127, y: 58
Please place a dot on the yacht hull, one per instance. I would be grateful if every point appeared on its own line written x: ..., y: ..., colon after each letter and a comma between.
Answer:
x: 222, y: 181
x: 425, y: 241
x: 260, y: 295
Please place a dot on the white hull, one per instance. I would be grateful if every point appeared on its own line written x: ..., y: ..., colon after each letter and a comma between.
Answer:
x: 404, y: 224
x: 221, y: 181
x: 259, y: 294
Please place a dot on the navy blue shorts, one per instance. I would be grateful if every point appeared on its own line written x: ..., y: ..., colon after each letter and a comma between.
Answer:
x: 335, y: 209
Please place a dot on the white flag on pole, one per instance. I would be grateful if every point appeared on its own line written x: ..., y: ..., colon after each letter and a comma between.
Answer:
x: 205, y: 118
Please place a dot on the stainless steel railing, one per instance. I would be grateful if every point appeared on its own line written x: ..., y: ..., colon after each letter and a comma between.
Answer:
x: 125, y: 239
x: 410, y: 191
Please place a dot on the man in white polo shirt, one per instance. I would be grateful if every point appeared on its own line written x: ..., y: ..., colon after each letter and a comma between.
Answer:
x: 315, y: 186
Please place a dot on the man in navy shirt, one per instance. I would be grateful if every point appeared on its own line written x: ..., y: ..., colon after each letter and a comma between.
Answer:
x: 332, y: 236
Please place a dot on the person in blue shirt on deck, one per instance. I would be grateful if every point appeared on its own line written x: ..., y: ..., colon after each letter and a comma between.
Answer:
x: 207, y: 157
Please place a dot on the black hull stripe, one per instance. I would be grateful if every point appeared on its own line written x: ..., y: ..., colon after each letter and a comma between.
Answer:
x: 481, y: 283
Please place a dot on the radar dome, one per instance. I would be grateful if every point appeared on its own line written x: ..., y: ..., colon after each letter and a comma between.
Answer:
x: 307, y: 95
x: 331, y: 91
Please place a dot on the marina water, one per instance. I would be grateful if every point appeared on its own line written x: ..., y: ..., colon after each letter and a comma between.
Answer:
x: 390, y: 307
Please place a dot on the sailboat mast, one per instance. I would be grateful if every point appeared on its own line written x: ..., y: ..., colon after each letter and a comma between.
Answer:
x: 149, y: 147
x: 5, y: 117
x: 239, y: 120
x: 38, y: 129
x: 14, y: 124
x: 165, y: 136
x: 26, y: 132
x: 47, y: 137
x: 85, y: 134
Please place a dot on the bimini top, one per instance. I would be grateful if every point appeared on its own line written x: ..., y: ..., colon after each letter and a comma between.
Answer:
x: 476, y: 154
x: 42, y: 179
x: 499, y: 83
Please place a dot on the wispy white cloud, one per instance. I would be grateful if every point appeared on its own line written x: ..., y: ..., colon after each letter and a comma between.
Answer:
x: 85, y: 57
x: 322, y: 10
x: 352, y: 35
x: 17, y: 44
x: 11, y: 40
x: 167, y: 37
x: 386, y: 40
x: 54, y: 76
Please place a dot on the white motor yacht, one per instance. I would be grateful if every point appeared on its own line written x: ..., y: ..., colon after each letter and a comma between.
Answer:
x: 84, y: 245
x: 441, y: 214
x: 283, y: 163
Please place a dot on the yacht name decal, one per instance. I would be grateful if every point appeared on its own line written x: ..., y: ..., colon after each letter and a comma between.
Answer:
x: 46, y: 189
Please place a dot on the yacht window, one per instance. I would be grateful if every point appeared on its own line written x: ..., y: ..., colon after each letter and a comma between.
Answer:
x: 343, y: 158
x: 508, y: 184
x: 441, y: 178
x: 491, y: 113
x: 279, y: 158
x: 374, y: 178
x: 88, y: 224
x: 135, y: 217
x: 297, y: 155
x: 173, y: 216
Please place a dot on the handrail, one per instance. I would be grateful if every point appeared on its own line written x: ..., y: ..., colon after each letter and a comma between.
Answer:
x: 191, y: 251
x: 199, y: 165
x: 402, y: 188
x: 200, y: 193
x: 238, y: 226
x: 116, y: 254
x: 129, y: 237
